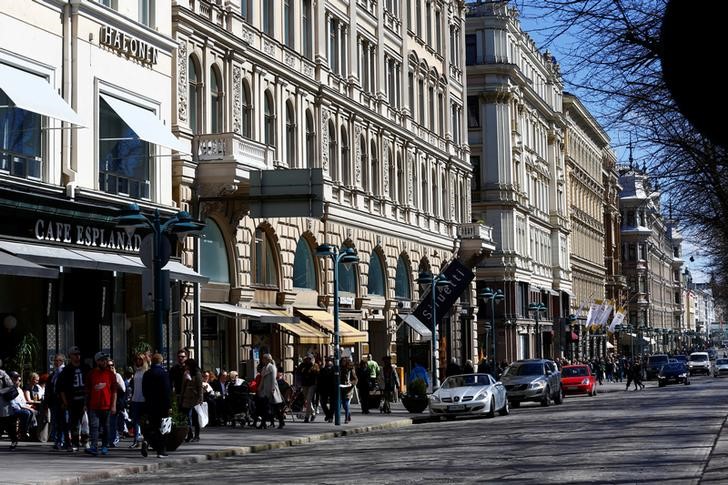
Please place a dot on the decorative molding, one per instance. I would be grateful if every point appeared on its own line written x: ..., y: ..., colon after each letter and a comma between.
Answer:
x: 451, y: 215
x: 268, y: 48
x: 385, y: 169
x: 307, y: 69
x: 358, y: 155
x: 290, y: 60
x: 182, y: 80
x: 410, y: 176
x: 325, y: 140
x: 247, y: 36
x: 237, y: 100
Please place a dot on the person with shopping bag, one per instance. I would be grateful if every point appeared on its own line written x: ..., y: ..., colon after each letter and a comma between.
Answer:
x: 191, y: 396
x: 268, y: 393
x: 157, y: 393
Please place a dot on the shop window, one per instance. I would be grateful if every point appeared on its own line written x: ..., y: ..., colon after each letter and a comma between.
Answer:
x: 265, y: 271
x: 20, y: 140
x: 213, y: 254
x: 124, y: 163
x: 304, y: 269
x: 194, y: 86
x: 376, y: 284
x: 215, y: 101
x: 402, y: 286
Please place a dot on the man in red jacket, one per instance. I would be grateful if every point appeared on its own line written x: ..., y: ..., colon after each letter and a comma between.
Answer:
x: 100, y: 402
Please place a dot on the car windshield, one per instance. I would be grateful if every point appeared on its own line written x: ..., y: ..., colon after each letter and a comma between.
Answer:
x: 672, y: 367
x: 721, y: 362
x: 681, y: 358
x: 657, y: 359
x: 466, y: 381
x: 530, y: 369
x: 698, y: 358
x: 574, y: 372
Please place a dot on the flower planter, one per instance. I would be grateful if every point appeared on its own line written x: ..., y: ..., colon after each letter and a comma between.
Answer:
x: 176, y: 437
x: 415, y: 404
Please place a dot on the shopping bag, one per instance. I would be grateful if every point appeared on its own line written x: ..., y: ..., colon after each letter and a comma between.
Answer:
x: 84, y: 424
x: 202, y: 416
x: 166, y: 426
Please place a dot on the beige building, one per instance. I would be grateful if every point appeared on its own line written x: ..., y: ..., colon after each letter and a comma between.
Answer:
x: 359, y: 105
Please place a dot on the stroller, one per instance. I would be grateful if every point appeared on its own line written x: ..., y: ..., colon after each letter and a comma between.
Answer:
x: 241, y: 405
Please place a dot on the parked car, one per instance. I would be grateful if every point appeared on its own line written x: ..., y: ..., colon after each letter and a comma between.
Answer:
x: 578, y: 379
x: 699, y: 363
x: 654, y: 363
x: 673, y: 373
x: 469, y: 394
x: 681, y: 358
x: 536, y: 380
x: 721, y: 368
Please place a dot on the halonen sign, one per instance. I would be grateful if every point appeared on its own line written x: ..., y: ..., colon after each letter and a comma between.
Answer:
x: 129, y: 46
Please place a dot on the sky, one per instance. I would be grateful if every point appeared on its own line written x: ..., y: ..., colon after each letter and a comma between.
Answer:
x: 537, y: 25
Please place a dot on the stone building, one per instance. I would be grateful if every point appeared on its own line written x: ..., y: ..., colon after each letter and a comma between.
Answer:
x: 357, y: 107
x: 516, y: 134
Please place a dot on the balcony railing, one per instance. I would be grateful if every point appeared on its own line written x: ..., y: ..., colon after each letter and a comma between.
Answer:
x: 232, y: 146
x: 475, y: 231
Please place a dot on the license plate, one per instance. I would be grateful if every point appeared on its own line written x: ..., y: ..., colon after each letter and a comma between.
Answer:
x: 456, y: 407
x: 572, y: 388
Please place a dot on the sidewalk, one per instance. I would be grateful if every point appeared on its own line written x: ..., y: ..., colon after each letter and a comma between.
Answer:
x: 40, y: 463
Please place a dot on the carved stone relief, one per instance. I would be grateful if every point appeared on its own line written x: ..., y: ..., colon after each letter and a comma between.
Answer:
x: 410, y: 176
x: 237, y: 100
x: 451, y: 215
x: 385, y: 169
x: 358, y: 157
x: 182, y: 80
x: 268, y: 48
x: 325, y: 140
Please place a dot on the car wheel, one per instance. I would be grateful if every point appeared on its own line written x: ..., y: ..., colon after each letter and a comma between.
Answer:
x: 559, y: 399
x: 546, y: 399
x: 491, y: 412
x: 505, y: 410
x: 661, y: 384
x: 515, y: 404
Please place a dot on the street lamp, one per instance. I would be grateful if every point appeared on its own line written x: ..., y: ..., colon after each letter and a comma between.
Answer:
x: 537, y: 308
x: 427, y: 278
x: 493, y: 297
x: 180, y: 224
x: 346, y: 256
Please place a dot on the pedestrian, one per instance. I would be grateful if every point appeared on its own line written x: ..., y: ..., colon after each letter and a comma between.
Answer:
x: 388, y: 383
x: 190, y: 396
x: 468, y: 367
x: 419, y: 372
x: 8, y: 419
x: 116, y: 421
x: 308, y: 371
x: 326, y: 387
x: 362, y: 385
x: 157, y: 405
x: 347, y: 381
x: 73, y: 397
x: 54, y: 402
x: 177, y: 372
x: 453, y: 368
x: 101, y: 403
x: 268, y: 393
x: 637, y: 376
x: 373, y: 370
x: 137, y: 398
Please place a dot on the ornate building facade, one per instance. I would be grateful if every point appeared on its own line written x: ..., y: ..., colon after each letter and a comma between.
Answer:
x: 362, y: 101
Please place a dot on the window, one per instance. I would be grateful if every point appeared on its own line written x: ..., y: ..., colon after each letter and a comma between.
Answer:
x: 310, y: 140
x: 290, y: 135
x: 304, y: 270
x: 194, y: 86
x: 347, y: 278
x: 431, y: 100
x: 345, y: 162
x: 306, y: 30
x: 421, y: 94
x: 423, y: 189
x: 409, y: 13
x: 269, y: 127
x: 245, y: 9
x: 411, y: 85
x: 288, y: 23
x: 438, y: 31
x: 20, y: 140
x: 441, y: 114
x: 400, y: 181
x: 215, y: 102
x: 124, y: 158
x: 475, y: 181
x: 265, y: 272
x: 473, y: 112
x: 392, y: 175
x: 418, y: 17
x: 375, y: 168
x: 429, y: 23
x: 471, y: 49
x: 247, y: 107
x: 334, y: 166
x: 268, y: 17
x: 375, y: 283
x: 146, y: 12
x: 402, y: 286
x: 213, y: 253
x: 337, y: 46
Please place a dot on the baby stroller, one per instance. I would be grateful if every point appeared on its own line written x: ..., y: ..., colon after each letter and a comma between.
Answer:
x: 293, y: 403
x: 241, y: 405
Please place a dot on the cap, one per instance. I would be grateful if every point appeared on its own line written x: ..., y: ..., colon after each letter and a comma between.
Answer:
x: 309, y: 356
x: 13, y: 374
x: 101, y: 356
x: 74, y: 350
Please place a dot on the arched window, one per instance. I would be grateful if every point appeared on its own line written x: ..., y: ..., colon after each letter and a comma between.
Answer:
x: 392, y: 175
x: 364, y: 163
x: 345, y: 162
x: 247, y: 111
x: 347, y: 278
x: 194, y: 86
x: 310, y: 140
x: 333, y: 165
x: 401, y: 181
x: 376, y: 283
x: 265, y: 270
x: 269, y: 128
x: 304, y: 269
x: 402, y: 285
x: 213, y: 254
x: 375, y: 168
x: 290, y: 135
x: 215, y: 101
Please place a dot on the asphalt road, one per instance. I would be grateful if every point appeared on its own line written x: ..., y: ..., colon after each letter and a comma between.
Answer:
x: 661, y: 435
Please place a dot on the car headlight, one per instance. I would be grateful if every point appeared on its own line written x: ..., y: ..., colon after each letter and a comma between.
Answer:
x: 435, y: 398
x: 683, y: 375
x: 481, y: 396
x: 536, y: 385
x: 585, y: 382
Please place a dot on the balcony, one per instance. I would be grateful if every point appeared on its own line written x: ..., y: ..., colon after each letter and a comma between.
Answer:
x: 476, y: 242
x: 226, y: 159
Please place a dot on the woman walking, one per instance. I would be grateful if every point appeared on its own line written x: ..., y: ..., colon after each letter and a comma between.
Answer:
x: 348, y: 381
x: 268, y: 393
x: 192, y: 396
x: 137, y: 397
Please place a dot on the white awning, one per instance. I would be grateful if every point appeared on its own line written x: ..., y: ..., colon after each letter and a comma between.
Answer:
x: 178, y: 271
x: 419, y: 327
x: 145, y: 124
x: 15, y: 266
x: 34, y: 93
x: 226, y: 309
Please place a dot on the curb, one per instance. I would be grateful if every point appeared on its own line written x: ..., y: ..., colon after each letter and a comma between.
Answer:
x: 228, y: 452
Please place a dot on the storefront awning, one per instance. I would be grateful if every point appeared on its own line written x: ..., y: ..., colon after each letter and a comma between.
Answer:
x: 35, y: 94
x: 98, y: 260
x: 418, y: 327
x: 306, y: 334
x: 15, y: 266
x: 145, y: 124
x: 349, y: 335
x: 265, y: 316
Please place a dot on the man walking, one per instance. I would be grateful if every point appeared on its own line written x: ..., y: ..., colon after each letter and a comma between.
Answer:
x: 326, y: 387
x: 102, y: 388
x: 73, y: 397
x: 157, y: 404
x: 58, y: 414
x: 177, y: 372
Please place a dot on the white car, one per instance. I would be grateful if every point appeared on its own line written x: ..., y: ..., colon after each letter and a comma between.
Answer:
x: 721, y: 367
x: 468, y: 395
x: 699, y: 362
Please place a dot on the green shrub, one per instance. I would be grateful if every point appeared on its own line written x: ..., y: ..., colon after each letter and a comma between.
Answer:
x: 417, y: 387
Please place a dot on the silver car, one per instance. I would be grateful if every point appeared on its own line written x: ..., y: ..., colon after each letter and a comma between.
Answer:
x: 721, y: 367
x: 533, y: 380
x: 469, y: 394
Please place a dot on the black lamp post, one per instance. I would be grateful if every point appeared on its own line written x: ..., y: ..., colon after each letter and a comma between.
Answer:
x: 346, y: 256
x: 493, y: 297
x: 180, y: 224
x: 537, y: 308
x: 427, y: 278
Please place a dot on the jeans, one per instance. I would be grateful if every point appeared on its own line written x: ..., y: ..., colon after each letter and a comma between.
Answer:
x: 136, y: 417
x: 345, y: 402
x: 58, y: 419
x: 192, y: 421
x: 72, y: 428
x: 326, y: 401
x: 99, y: 418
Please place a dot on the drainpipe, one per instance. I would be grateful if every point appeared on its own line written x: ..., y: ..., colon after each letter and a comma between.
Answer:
x: 68, y: 136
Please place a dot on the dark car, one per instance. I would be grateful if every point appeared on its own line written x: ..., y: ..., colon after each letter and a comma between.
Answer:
x: 654, y: 363
x: 673, y: 373
x: 681, y: 358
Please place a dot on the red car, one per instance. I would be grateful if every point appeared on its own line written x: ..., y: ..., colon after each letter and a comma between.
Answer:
x: 578, y: 379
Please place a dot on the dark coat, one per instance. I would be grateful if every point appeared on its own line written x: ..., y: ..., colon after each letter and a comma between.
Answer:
x: 156, y: 391
x: 326, y: 381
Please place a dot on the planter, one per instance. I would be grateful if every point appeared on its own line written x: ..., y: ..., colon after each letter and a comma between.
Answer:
x: 176, y: 437
x: 415, y: 404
